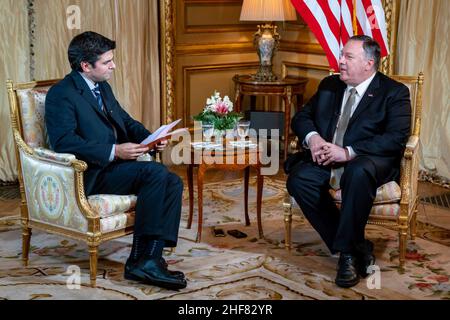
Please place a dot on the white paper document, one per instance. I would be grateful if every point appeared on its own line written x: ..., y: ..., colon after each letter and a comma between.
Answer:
x: 161, y: 132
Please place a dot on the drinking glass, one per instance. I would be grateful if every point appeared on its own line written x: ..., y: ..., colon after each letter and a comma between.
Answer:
x: 242, y: 129
x: 208, y: 131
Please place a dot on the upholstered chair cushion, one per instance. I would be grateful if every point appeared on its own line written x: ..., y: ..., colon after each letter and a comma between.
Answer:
x: 387, y: 193
x: 386, y: 201
x: 386, y: 210
x: 117, y: 222
x: 107, y: 205
x: 32, y: 102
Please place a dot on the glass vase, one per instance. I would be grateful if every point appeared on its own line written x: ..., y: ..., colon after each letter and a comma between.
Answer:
x: 219, y: 136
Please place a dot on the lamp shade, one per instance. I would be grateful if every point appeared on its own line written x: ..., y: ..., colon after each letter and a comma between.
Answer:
x: 267, y: 10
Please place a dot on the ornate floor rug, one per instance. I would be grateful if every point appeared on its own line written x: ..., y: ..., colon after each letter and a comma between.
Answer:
x: 227, y: 267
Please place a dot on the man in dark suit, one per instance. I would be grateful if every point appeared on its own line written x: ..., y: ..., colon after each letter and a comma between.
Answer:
x: 84, y: 118
x: 354, y: 129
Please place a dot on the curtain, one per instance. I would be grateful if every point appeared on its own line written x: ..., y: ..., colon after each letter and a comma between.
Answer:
x: 133, y: 24
x: 14, y: 64
x: 423, y: 46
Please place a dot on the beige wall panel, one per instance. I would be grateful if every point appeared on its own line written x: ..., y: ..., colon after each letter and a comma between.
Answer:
x: 200, y: 83
x: 198, y: 77
x: 224, y: 17
x: 314, y: 67
x: 211, y: 22
x: 295, y: 33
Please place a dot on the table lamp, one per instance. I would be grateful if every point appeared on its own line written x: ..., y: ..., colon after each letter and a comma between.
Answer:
x: 266, y: 39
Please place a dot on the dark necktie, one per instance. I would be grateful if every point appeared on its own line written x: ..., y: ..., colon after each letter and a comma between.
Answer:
x: 98, y: 96
x: 336, y: 173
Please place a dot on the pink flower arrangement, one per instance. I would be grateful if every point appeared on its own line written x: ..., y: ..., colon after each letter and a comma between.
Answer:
x: 219, y: 112
x: 218, y: 105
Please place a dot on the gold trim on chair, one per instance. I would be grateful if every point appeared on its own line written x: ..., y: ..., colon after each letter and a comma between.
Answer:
x: 91, y: 234
x: 405, y: 220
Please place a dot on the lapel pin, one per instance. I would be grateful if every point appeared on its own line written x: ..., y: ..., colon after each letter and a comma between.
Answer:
x: 370, y: 95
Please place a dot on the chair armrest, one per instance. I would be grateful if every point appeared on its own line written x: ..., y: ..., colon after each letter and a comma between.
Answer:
x: 412, y: 146
x: 54, y: 188
x: 409, y: 171
x: 65, y: 159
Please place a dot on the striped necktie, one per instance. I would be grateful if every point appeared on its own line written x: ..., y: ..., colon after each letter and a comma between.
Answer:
x: 336, y: 173
x: 98, y: 96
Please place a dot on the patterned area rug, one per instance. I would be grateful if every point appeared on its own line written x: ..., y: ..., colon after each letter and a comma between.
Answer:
x: 226, y: 267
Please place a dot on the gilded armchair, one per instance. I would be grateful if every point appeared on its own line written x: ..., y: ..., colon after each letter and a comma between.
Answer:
x: 51, y: 184
x: 395, y: 204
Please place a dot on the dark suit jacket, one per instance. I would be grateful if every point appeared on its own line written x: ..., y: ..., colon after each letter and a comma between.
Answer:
x: 379, y: 127
x: 76, y: 125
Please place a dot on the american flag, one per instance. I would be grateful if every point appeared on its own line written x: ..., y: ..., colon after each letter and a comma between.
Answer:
x: 333, y: 22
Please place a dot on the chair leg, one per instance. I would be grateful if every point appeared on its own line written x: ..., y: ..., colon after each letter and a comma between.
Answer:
x: 93, y: 256
x: 402, y: 234
x: 287, y: 225
x: 26, y: 238
x: 413, y: 225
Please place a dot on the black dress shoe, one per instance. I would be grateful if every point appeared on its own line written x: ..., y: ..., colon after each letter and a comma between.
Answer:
x: 365, y: 258
x: 347, y: 274
x: 152, y: 271
x: 175, y: 273
x: 130, y: 264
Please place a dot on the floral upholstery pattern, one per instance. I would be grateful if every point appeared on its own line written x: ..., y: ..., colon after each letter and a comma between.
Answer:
x: 32, y: 108
x: 107, y: 205
x: 387, y: 193
x: 116, y: 222
x: 46, y: 154
x: 50, y: 193
x: 386, y: 210
x: 386, y: 201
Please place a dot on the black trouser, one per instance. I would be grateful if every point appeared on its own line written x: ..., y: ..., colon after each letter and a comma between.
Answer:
x: 159, y: 195
x: 342, y: 230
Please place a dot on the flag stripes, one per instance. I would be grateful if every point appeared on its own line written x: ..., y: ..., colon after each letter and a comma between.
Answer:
x: 331, y: 21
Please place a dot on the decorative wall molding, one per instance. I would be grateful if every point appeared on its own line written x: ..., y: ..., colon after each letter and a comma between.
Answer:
x: 297, y: 25
x: 301, y: 47
x: 218, y: 28
x: 167, y: 60
x: 227, y: 25
x: 214, y: 48
x: 285, y: 65
x: 391, y: 14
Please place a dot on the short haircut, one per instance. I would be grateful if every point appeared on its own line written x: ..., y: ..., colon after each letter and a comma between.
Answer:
x: 371, y: 48
x: 88, y: 47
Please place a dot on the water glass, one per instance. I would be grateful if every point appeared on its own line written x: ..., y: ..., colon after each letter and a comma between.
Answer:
x: 242, y: 129
x: 208, y: 131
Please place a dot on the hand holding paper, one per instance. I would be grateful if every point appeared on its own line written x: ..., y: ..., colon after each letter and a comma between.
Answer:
x: 162, y: 133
